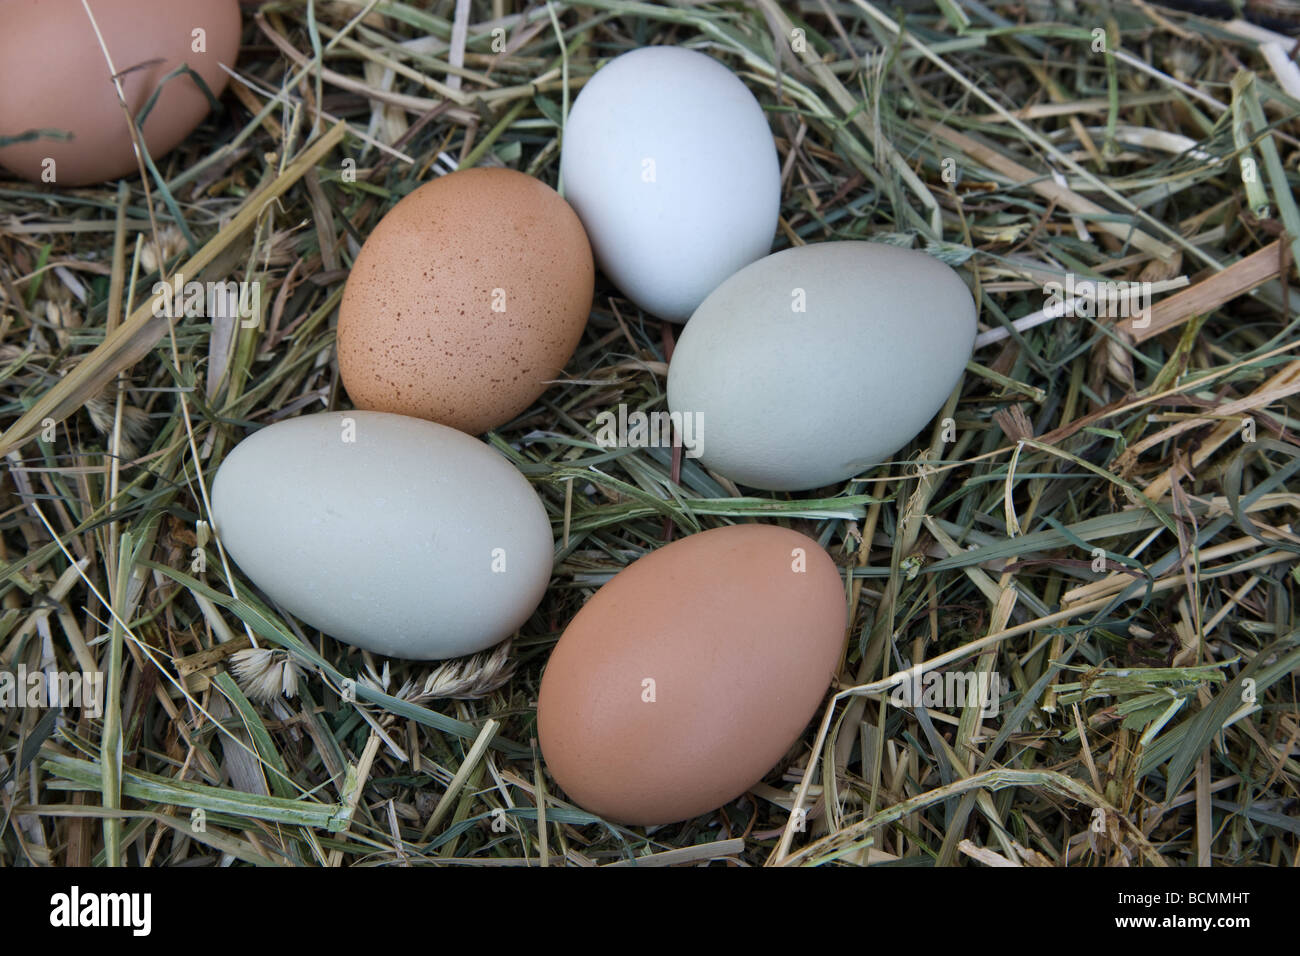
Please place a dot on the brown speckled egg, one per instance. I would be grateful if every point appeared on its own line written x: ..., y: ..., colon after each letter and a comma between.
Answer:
x: 54, y: 76
x: 688, y: 675
x: 467, y: 298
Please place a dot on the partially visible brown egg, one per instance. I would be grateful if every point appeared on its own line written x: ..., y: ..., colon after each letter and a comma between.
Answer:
x: 466, y: 299
x: 54, y: 76
x: 691, y: 672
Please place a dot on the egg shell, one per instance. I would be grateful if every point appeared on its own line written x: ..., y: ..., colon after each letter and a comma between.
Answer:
x: 671, y: 165
x: 53, y: 75
x: 740, y: 646
x: 412, y: 539
x: 419, y: 328
x: 793, y: 399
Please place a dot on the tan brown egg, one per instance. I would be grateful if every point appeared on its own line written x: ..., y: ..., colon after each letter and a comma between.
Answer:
x: 54, y: 76
x: 466, y: 299
x: 690, y: 673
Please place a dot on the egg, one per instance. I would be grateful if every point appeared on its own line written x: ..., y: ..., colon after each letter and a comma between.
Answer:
x: 397, y: 535
x: 468, y: 297
x: 671, y: 165
x: 54, y: 77
x: 691, y: 673
x: 815, y: 363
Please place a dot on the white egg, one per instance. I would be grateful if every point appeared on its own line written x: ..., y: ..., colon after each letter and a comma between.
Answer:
x: 815, y: 363
x: 395, y: 534
x: 670, y: 164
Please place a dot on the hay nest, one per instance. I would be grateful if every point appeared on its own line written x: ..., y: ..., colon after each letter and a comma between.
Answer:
x: 1106, y: 525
